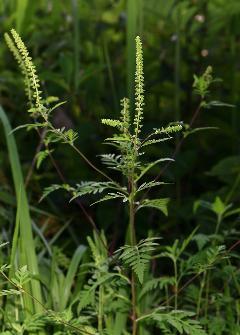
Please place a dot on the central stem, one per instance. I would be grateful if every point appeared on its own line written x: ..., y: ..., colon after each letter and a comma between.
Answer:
x: 133, y: 243
x: 132, y: 222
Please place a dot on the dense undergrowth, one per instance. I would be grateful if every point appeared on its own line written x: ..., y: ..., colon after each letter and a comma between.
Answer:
x: 117, y: 248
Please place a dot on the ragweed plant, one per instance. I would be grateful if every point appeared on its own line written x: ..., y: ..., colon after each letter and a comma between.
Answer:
x: 131, y: 145
x: 119, y: 292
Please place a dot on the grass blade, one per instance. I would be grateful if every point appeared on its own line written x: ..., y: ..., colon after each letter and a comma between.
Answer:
x: 28, y: 253
x: 73, y: 267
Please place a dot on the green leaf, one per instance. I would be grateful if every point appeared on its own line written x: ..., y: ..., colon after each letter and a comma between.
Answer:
x: 201, y: 203
x: 217, y: 325
x: 111, y: 196
x: 218, y: 206
x: 93, y: 187
x: 156, y: 284
x: 55, y: 187
x: 71, y: 273
x: 160, y: 204
x: 22, y: 276
x: 35, y: 323
x: 201, y: 240
x: 190, y: 131
x: 219, y: 104
x: 150, y: 165
x: 56, y: 106
x: 87, y: 296
x: 41, y: 156
x: 112, y: 161
x: 29, y: 126
x: 150, y: 184
x: 70, y: 136
x: 137, y: 257
x: 178, y: 320
x: 202, y: 83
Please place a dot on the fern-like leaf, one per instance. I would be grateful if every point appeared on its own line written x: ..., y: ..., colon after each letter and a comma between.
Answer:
x: 112, y: 161
x: 41, y: 156
x: 55, y: 187
x: 70, y: 136
x: 22, y: 276
x: 180, y: 321
x: 137, y: 257
x: 35, y: 323
x: 92, y: 187
x: 88, y: 295
x: 156, y: 283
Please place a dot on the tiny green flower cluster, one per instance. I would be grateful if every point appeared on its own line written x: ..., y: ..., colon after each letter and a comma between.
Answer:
x: 125, y: 115
x: 21, y: 64
x: 20, y: 52
x: 139, y: 88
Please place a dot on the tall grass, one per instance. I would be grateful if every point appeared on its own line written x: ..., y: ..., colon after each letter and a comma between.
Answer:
x: 23, y: 239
